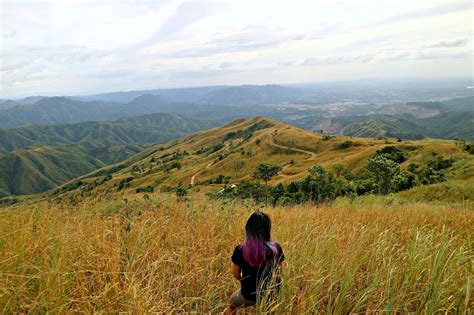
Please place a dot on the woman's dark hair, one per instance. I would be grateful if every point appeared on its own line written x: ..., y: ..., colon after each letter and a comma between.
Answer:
x: 258, y: 239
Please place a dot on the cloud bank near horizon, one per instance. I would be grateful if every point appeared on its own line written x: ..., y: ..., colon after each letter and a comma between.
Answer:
x: 76, y: 47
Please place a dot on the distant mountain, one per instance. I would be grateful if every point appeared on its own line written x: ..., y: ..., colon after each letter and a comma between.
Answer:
x: 450, y: 125
x: 446, y: 125
x: 376, y: 126
x: 62, y: 110
x: 217, y: 95
x: 57, y: 110
x: 6, y: 104
x: 180, y: 95
x: 460, y: 104
x: 455, y: 104
x: 37, y: 158
x: 197, y: 110
x: 250, y: 95
x: 150, y: 128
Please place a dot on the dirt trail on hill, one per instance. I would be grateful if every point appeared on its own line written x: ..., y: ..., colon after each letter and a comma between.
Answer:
x: 282, y: 174
x: 194, y: 176
x: 272, y: 142
x: 312, y: 155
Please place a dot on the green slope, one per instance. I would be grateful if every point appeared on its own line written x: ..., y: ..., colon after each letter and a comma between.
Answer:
x: 376, y: 126
x: 31, y: 171
x: 140, y: 130
x: 38, y: 158
x: 451, y: 125
x: 233, y: 151
x: 446, y: 125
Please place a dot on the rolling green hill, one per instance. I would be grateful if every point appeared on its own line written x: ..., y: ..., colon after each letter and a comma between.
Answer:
x: 446, y: 125
x: 31, y: 171
x: 38, y: 158
x: 206, y: 161
x: 150, y: 128
x: 375, y: 126
x: 450, y: 125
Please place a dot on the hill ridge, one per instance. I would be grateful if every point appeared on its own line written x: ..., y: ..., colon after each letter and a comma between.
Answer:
x: 206, y: 160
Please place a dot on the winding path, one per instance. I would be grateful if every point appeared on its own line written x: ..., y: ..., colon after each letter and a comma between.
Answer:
x: 311, y: 155
x: 194, y: 176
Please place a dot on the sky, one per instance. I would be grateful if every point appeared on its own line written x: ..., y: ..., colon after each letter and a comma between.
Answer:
x: 71, y: 47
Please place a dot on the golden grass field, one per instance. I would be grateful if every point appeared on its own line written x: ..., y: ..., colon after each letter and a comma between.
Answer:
x: 161, y: 255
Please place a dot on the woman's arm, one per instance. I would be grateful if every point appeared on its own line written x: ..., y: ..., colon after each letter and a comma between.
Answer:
x: 236, y: 271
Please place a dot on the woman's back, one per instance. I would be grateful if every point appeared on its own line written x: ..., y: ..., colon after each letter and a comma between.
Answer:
x: 257, y: 279
x: 257, y: 264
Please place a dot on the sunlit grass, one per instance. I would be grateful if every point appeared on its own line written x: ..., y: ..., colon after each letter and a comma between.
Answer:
x: 165, y: 256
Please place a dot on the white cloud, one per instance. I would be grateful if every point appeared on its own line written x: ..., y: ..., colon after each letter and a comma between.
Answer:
x: 86, y: 46
x: 448, y: 43
x: 333, y: 60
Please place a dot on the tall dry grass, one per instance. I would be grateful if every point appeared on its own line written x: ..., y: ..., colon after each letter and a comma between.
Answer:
x: 165, y: 256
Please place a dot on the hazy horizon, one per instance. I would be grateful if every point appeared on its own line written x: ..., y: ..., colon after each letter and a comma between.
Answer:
x: 84, y: 47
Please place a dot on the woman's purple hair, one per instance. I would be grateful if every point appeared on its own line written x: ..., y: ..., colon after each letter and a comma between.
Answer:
x: 258, y: 239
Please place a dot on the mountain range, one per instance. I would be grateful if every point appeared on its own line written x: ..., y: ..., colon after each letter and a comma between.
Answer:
x: 455, y: 120
x: 62, y: 110
x: 411, y: 120
x: 37, y: 158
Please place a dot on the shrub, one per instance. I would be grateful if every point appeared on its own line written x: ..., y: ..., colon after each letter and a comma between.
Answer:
x: 469, y: 148
x: 405, y: 180
x: 144, y: 189
x: 220, y: 179
x: 181, y: 191
x: 124, y: 183
x: 392, y: 153
x: 344, y: 145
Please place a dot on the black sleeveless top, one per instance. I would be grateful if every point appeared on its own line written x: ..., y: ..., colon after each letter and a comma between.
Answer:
x: 254, y: 278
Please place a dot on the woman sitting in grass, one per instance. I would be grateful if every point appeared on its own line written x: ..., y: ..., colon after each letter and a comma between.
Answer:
x: 257, y: 264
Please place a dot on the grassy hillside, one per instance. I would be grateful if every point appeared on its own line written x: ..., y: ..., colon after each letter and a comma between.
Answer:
x: 115, y: 255
x: 150, y: 128
x: 39, y: 158
x: 451, y: 125
x: 234, y: 150
x: 36, y: 170
x: 446, y: 125
x: 376, y: 126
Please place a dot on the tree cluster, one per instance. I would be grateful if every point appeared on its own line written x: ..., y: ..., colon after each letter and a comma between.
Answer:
x: 381, y: 175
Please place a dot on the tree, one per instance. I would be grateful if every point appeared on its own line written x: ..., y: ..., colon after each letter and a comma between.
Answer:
x: 383, y: 172
x: 277, y: 192
x: 320, y: 185
x: 266, y: 172
x: 181, y: 191
x: 339, y: 169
